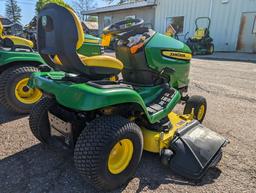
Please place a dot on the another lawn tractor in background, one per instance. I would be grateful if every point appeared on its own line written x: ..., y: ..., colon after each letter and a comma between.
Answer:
x: 11, y: 41
x: 18, y: 60
x: 201, y: 43
x: 91, y: 46
x: 107, y: 124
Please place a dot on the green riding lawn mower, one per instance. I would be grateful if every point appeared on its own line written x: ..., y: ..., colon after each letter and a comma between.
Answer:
x: 107, y: 124
x: 201, y: 42
x: 18, y: 60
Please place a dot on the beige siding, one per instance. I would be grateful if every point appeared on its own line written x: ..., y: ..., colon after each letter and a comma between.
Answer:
x: 225, y: 17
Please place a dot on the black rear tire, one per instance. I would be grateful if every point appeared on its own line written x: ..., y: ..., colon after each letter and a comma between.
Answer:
x: 199, y: 104
x: 38, y: 120
x: 210, y: 49
x: 8, y: 81
x: 94, y: 146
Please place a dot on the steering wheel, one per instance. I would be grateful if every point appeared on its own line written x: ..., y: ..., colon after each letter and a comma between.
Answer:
x: 123, y: 26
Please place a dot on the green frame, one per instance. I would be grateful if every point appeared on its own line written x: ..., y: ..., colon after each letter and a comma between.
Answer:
x: 7, y: 57
x: 84, y: 97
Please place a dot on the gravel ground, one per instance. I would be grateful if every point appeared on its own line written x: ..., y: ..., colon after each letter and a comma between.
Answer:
x: 230, y: 88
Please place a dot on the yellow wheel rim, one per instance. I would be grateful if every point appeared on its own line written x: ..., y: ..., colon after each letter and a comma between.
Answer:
x: 120, y: 156
x: 201, y: 113
x: 26, y: 95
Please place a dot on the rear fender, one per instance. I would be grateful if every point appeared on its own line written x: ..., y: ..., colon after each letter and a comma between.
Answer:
x: 7, y: 57
x: 84, y: 97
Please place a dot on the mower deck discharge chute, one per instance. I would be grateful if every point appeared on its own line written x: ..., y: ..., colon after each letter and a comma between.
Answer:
x: 196, y: 148
x: 109, y: 123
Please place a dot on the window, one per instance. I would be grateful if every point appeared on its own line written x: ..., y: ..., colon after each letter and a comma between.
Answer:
x: 107, y: 21
x: 177, y: 23
x: 254, y: 26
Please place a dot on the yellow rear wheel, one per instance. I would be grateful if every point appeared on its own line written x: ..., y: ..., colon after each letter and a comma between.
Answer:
x: 108, y: 151
x: 26, y: 95
x: 14, y: 93
x: 120, y: 156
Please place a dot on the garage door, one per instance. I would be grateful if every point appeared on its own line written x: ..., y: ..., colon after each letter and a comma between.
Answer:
x: 247, y: 35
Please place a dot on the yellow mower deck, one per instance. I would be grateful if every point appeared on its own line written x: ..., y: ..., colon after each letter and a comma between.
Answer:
x: 156, y: 141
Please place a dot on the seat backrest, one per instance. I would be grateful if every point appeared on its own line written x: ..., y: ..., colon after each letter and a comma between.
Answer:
x: 200, y: 33
x: 1, y: 29
x: 60, y: 33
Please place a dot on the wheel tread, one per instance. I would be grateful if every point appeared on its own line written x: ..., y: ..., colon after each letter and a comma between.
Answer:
x: 87, y: 153
x: 38, y: 116
x: 5, y: 78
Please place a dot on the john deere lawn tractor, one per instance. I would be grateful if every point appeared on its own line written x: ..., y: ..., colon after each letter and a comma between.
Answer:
x: 10, y: 40
x: 107, y: 124
x: 18, y: 60
x: 201, y: 42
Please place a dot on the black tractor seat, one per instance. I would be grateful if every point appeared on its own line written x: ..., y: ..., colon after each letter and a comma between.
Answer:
x: 58, y: 46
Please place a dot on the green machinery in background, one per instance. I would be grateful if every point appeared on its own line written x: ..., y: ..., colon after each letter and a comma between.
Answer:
x: 18, y: 60
x: 201, y: 42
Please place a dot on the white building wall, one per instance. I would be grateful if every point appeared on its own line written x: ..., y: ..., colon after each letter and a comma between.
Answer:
x: 225, y: 16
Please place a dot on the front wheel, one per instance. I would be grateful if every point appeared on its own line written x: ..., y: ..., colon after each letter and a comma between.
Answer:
x: 39, y: 121
x: 199, y: 104
x: 108, y: 152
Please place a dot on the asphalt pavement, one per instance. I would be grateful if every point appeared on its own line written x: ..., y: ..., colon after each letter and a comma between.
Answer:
x: 26, y: 166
